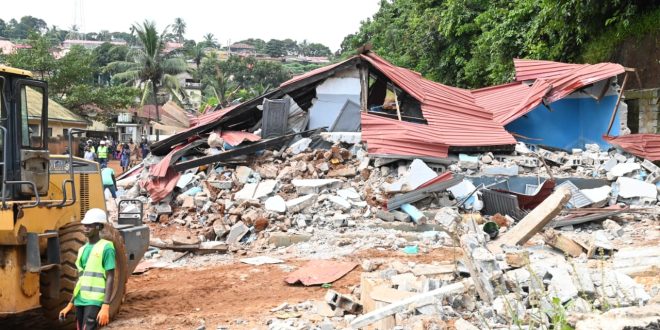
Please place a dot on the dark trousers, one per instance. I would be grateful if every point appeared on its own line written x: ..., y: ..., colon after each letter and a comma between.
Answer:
x: 113, y: 190
x: 86, y: 317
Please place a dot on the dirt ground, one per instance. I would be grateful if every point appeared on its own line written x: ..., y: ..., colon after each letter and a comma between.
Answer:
x: 237, y: 296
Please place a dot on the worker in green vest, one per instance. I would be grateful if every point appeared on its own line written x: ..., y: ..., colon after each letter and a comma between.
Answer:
x: 102, y: 153
x: 96, y: 264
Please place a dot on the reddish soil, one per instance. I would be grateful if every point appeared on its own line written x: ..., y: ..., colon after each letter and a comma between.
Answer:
x: 181, y: 298
x: 223, y: 295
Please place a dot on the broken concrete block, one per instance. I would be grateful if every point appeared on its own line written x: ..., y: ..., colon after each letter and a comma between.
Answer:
x: 301, y: 203
x: 597, y: 195
x: 285, y: 239
x: 630, y: 188
x: 201, y: 199
x: 220, y: 228
x: 265, y: 188
x: 385, y: 215
x: 340, y: 203
x: 247, y: 192
x: 418, y: 174
x: 268, y: 171
x: 221, y: 184
x: 188, y: 202
x: 275, y: 204
x: 315, y: 186
x: 237, y: 231
x: 517, y: 278
x: 613, y: 227
x: 509, y: 170
x: 582, y: 280
x: 348, y: 171
x: 344, y: 302
x: 343, y: 137
x: 243, y: 173
x: 349, y: 193
x: 449, y: 218
x: 401, y: 216
x: 636, y: 260
x: 561, y: 285
x: 622, y: 169
x: 299, y: 146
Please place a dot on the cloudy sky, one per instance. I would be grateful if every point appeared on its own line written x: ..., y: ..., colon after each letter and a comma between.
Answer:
x: 326, y: 22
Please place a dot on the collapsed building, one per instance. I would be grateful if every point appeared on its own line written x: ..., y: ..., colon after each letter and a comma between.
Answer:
x: 363, y: 141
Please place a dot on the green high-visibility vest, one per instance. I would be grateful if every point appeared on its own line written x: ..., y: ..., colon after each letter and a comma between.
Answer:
x: 91, y: 278
x: 103, y: 152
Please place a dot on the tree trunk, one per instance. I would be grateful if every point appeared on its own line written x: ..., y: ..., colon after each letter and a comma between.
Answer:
x: 155, y: 91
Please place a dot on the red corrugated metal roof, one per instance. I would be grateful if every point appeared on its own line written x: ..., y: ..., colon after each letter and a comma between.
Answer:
x: 553, y: 81
x: 453, y: 116
x: 645, y: 146
x: 537, y: 69
x: 569, y: 82
x: 511, y: 101
x: 234, y: 138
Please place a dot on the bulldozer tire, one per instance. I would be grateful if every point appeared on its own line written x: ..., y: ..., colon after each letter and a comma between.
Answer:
x: 71, y: 239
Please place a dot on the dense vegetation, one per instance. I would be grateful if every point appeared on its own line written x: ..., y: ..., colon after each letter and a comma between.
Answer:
x: 471, y: 43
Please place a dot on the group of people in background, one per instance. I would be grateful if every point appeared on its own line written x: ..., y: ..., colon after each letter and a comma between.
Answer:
x: 103, y: 150
x: 127, y: 153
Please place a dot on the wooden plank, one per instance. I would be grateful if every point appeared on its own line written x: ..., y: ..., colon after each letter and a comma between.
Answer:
x: 364, y: 87
x: 534, y: 221
x: 560, y: 242
x: 616, y: 106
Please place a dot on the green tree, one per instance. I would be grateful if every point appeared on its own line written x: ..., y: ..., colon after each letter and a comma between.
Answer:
x: 109, y: 99
x: 259, y: 44
x: 317, y: 49
x: 210, y: 41
x: 37, y: 58
x: 179, y: 28
x: 75, y: 68
x: 275, y: 48
x: 149, y: 66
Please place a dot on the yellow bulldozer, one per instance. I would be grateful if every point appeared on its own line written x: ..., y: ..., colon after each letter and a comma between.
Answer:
x: 43, y: 199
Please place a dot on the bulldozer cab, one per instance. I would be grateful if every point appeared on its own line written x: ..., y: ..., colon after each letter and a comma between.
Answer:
x: 23, y: 136
x: 43, y: 198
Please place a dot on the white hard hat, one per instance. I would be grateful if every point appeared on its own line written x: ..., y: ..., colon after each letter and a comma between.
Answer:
x: 95, y: 216
x: 102, y: 142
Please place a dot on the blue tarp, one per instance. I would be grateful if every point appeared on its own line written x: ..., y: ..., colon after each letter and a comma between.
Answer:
x: 572, y: 123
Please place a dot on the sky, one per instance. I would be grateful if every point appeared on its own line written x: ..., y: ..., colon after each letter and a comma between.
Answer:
x: 327, y: 22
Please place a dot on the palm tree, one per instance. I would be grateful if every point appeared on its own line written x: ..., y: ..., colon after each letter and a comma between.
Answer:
x: 196, y: 53
x: 149, y: 67
x: 210, y: 41
x: 219, y: 84
x: 179, y: 28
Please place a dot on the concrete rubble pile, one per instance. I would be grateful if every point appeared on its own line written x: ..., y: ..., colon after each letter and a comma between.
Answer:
x: 567, y: 252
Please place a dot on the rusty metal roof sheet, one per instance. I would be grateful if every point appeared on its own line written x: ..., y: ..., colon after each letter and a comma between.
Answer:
x: 317, y: 272
x: 552, y: 81
x: 453, y: 116
x: 511, y: 101
x: 537, y: 69
x: 645, y: 146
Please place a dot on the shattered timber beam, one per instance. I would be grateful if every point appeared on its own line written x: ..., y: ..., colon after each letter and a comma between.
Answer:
x: 247, y: 150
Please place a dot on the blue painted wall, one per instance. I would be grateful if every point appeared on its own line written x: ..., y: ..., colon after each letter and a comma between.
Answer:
x: 572, y: 123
